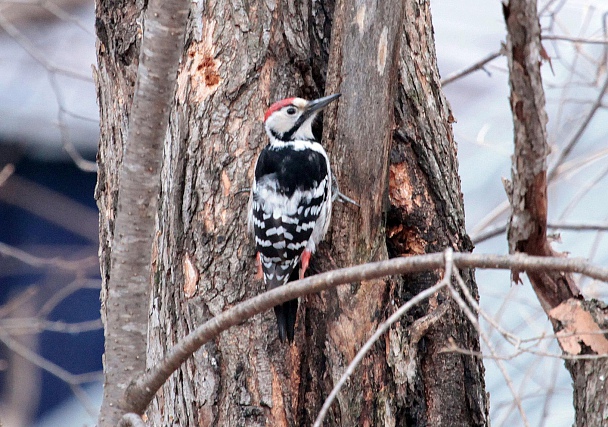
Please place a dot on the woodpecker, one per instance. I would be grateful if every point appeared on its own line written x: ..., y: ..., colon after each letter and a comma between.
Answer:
x: 291, y: 198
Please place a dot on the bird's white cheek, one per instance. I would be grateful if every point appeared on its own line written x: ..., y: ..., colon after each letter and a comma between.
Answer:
x: 278, y: 124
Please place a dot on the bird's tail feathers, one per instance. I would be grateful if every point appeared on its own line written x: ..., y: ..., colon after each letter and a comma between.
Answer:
x: 275, y: 275
x: 286, y: 319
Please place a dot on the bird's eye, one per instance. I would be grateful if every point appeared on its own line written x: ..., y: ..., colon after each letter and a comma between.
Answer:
x: 291, y: 111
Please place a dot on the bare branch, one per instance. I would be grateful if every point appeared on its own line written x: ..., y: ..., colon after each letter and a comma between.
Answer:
x: 497, y: 230
x: 84, y: 398
x: 74, y: 381
x: 35, y: 261
x: 36, y: 53
x: 141, y: 391
x: 578, y: 227
x: 519, y: 352
x: 34, y: 325
x: 68, y: 146
x: 496, y: 213
x: 473, y: 319
x: 584, y: 190
x: 488, y: 233
x: 479, y: 65
x: 447, y: 277
x: 574, y: 39
x: 579, y: 132
x: 48, y: 366
x: 64, y: 292
x: 52, y: 206
x: 18, y: 301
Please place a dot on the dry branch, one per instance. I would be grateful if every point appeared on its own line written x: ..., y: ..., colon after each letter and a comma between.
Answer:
x: 565, y: 152
x: 140, y: 392
x: 527, y: 229
x: 479, y: 65
x: 497, y: 230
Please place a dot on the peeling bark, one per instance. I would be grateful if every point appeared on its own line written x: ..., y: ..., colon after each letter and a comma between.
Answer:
x: 426, y: 215
x: 557, y: 292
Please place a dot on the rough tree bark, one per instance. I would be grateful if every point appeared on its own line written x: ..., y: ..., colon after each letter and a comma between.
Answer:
x: 576, y: 322
x: 392, y: 149
x: 427, y: 215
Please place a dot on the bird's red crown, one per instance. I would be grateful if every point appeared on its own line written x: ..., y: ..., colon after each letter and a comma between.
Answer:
x: 277, y: 106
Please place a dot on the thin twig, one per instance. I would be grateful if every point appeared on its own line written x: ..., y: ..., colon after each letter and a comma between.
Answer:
x: 497, y: 230
x: 492, y: 216
x: 488, y: 233
x: 34, y: 325
x: 65, y: 16
x: 574, y: 39
x: 36, y: 53
x: 74, y: 381
x: 520, y: 351
x: 470, y: 69
x: 516, y: 341
x: 473, y: 319
x: 584, y: 190
x: 68, y: 145
x: 18, y: 301
x: 64, y: 292
x: 84, y: 399
x: 579, y: 132
x: 550, y: 392
x: 35, y: 261
x: 578, y: 227
x: 48, y: 366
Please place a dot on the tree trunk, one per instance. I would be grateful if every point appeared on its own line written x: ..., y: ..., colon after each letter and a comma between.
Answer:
x: 573, y: 318
x: 427, y: 215
x: 122, y: 310
x: 391, y: 146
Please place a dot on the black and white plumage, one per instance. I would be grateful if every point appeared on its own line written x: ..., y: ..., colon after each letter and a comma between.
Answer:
x: 291, y: 198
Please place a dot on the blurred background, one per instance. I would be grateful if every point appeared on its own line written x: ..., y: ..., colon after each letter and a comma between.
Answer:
x: 51, y: 340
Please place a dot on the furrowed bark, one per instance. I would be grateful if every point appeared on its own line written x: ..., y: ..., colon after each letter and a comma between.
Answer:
x: 237, y: 61
x: 426, y: 215
x: 527, y: 230
x: 358, y: 130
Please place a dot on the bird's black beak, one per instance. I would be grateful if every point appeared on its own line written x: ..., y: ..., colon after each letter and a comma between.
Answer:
x: 319, y: 104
